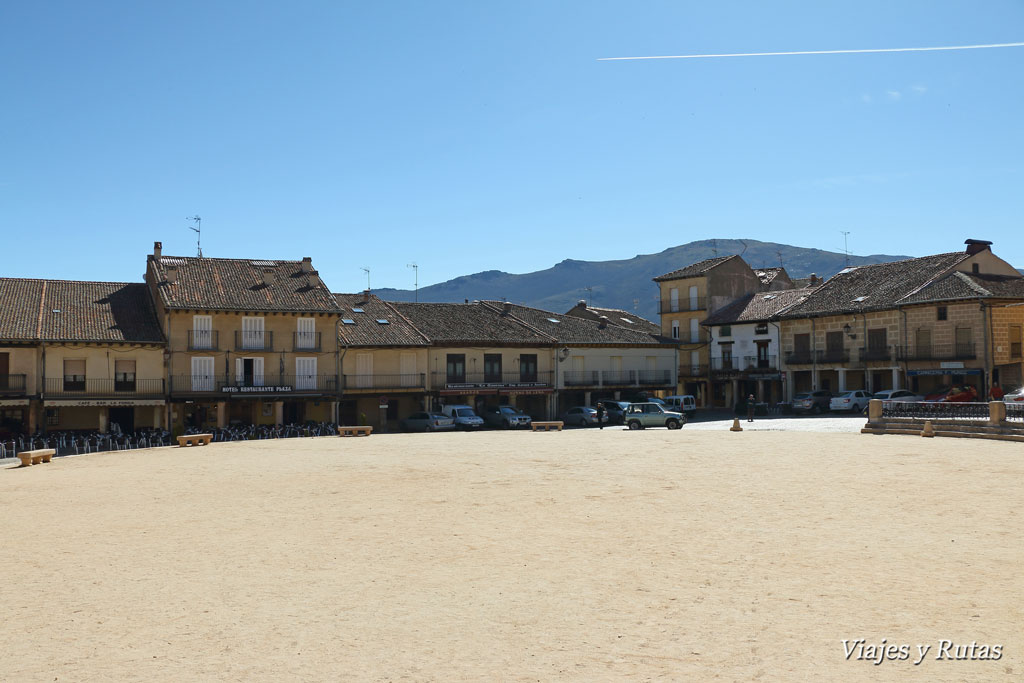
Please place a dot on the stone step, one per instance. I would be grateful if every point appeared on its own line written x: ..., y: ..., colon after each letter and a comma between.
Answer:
x: 994, y: 433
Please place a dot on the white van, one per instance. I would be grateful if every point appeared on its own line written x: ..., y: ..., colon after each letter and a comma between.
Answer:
x: 684, y: 404
x: 465, y: 416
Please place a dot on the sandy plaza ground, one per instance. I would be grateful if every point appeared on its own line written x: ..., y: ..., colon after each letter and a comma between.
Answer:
x: 584, y: 555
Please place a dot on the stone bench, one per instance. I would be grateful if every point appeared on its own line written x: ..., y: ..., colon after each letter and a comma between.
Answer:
x: 37, y: 456
x: 355, y: 431
x: 546, y: 426
x: 194, y: 440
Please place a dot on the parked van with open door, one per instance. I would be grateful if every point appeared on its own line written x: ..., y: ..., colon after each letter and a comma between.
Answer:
x: 684, y: 404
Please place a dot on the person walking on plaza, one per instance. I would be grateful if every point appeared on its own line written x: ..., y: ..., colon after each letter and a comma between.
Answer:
x: 750, y: 408
x: 600, y: 415
x: 996, y: 392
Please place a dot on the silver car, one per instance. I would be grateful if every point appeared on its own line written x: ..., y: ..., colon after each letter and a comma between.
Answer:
x: 428, y: 422
x: 643, y: 415
x: 506, y: 417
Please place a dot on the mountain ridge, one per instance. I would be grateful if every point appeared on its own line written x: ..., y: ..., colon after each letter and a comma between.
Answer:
x: 626, y: 283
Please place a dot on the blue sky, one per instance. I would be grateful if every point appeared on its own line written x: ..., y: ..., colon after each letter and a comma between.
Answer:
x: 469, y: 136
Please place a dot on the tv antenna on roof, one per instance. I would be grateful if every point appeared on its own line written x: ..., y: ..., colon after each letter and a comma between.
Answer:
x: 846, y: 247
x: 714, y: 247
x: 198, y: 230
x: 416, y: 282
x: 779, y: 254
x: 367, y: 271
x: 636, y: 304
x: 590, y: 294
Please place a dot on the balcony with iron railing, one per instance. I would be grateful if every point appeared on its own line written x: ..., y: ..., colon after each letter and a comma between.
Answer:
x: 877, y: 353
x: 376, y: 382
x: 760, y: 363
x: 254, y: 340
x: 306, y: 341
x: 581, y: 378
x: 651, y: 378
x: 800, y: 357
x: 79, y: 386
x: 684, y: 305
x: 724, y: 365
x: 833, y: 356
x: 623, y: 378
x: 690, y: 370
x: 203, y: 340
x: 471, y: 380
x: 962, y: 351
x: 12, y: 385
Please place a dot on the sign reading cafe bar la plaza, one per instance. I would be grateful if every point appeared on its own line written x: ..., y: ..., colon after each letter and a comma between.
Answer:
x: 256, y: 390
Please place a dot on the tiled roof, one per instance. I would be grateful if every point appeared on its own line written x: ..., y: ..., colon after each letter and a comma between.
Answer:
x: 66, y: 310
x: 959, y: 285
x: 874, y: 287
x: 695, y: 269
x: 473, y: 323
x: 766, y: 275
x: 757, y: 307
x: 574, y: 330
x: 238, y: 285
x: 617, y: 316
x: 365, y: 330
x: 20, y: 301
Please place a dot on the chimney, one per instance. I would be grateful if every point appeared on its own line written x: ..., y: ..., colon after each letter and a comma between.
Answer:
x: 582, y: 303
x: 158, y: 250
x: 602, y: 322
x: 506, y: 308
x: 307, y: 264
x: 366, y: 295
x: 268, y: 276
x: 814, y: 279
x: 976, y: 246
x: 172, y: 273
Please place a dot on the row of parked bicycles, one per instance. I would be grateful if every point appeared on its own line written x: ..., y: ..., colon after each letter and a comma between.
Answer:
x: 80, y: 443
x: 245, y: 432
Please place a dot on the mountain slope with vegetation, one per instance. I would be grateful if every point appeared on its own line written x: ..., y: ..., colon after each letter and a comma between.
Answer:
x: 626, y: 284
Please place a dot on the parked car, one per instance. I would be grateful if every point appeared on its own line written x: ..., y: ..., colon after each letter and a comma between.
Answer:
x: 506, y: 417
x: 898, y: 396
x: 812, y: 401
x: 616, y: 411
x: 1014, y: 395
x: 465, y: 417
x: 953, y: 394
x: 582, y: 416
x: 850, y: 401
x: 428, y: 422
x: 687, y: 404
x: 642, y: 415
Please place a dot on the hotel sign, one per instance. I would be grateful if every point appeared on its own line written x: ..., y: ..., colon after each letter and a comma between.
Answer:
x: 282, y: 389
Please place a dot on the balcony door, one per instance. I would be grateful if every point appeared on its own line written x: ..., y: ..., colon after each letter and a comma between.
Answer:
x: 492, y: 367
x: 408, y: 369
x: 763, y: 359
x: 305, y: 334
x: 456, y: 368
x: 305, y: 373
x: 202, y: 332
x: 202, y: 373
x: 923, y: 339
x: 527, y: 367
x: 364, y: 370
x: 249, y: 372
x: 5, y: 368
x: 252, y: 333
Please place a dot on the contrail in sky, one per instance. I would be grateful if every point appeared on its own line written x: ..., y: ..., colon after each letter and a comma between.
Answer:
x: 820, y: 52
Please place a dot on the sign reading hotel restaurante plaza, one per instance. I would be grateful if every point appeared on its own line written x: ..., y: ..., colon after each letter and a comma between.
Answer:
x: 257, y: 390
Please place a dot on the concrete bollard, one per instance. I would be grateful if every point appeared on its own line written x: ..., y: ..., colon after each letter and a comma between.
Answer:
x: 928, y: 429
x: 735, y: 425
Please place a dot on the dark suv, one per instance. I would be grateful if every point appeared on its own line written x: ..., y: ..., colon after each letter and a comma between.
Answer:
x: 812, y: 401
